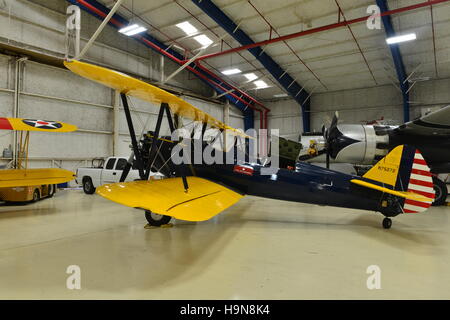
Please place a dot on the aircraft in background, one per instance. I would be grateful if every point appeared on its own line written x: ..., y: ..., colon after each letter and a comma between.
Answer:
x: 366, y: 144
x: 399, y: 183
x: 22, y: 183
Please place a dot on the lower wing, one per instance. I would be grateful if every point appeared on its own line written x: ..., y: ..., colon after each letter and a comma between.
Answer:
x: 33, y: 177
x: 203, y: 200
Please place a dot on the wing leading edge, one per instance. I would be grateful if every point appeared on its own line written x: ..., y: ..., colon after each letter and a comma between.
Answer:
x: 204, y: 199
x: 433, y: 124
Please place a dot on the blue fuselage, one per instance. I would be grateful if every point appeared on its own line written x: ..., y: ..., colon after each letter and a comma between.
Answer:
x: 306, y: 184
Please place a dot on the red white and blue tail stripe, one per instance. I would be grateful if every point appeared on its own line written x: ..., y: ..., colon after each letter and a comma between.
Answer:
x: 420, y: 182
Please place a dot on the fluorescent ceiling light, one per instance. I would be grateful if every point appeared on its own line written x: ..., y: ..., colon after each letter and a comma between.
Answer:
x: 260, y: 84
x: 251, y: 76
x: 402, y: 38
x: 203, y: 40
x: 187, y: 28
x: 132, y: 30
x: 231, y: 71
x: 281, y: 95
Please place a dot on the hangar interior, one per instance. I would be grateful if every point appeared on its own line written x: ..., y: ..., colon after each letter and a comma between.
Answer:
x: 259, y: 248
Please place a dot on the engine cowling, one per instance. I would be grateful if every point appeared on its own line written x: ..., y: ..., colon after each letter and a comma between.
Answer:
x: 356, y: 143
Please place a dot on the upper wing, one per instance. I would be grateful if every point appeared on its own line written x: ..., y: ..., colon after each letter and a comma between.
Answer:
x: 33, y: 177
x: 142, y: 90
x: 435, y: 123
x: 35, y: 125
x: 204, y: 199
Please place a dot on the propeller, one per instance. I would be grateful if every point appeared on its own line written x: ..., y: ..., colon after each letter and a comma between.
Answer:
x: 329, y: 134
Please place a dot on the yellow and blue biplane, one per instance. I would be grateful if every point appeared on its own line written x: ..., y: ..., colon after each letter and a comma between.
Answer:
x: 400, y: 183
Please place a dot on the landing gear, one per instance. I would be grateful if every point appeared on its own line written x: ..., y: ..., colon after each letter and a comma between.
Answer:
x: 155, y: 219
x: 387, y: 223
x: 441, y: 193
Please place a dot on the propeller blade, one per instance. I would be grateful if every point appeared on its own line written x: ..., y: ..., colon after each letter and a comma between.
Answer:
x: 125, y: 172
x: 127, y: 168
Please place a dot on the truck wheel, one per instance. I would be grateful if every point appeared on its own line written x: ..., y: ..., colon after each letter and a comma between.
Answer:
x: 156, y: 220
x: 51, y: 190
x: 36, y: 195
x: 88, y: 187
x: 441, y: 193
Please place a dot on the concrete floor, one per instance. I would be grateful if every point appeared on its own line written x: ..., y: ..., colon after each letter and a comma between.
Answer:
x: 258, y: 249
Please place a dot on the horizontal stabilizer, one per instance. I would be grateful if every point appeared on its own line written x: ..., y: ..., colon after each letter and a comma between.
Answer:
x: 34, y: 177
x: 402, y: 194
x: 35, y: 125
x: 203, y: 200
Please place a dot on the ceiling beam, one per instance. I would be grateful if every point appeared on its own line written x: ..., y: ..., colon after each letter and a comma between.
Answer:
x: 320, y: 29
x: 397, y: 57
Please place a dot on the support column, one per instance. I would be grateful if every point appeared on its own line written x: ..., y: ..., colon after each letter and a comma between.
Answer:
x: 226, y: 113
x: 161, y: 69
x: 116, y: 122
x: 16, y: 107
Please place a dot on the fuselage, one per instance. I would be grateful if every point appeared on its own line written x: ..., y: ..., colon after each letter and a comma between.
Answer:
x: 306, y: 184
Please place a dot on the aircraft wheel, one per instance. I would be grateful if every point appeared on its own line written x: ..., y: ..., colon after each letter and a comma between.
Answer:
x: 36, y: 195
x: 88, y: 186
x: 387, y: 223
x: 441, y: 193
x: 155, y: 219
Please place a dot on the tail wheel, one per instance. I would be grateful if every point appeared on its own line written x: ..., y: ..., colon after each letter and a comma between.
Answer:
x: 387, y: 223
x: 36, y: 195
x: 88, y: 186
x: 441, y: 193
x: 155, y: 219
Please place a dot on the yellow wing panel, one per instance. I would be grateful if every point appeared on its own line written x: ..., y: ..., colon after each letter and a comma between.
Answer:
x: 403, y: 194
x: 33, y: 177
x: 144, y: 91
x: 35, y: 125
x: 204, y: 199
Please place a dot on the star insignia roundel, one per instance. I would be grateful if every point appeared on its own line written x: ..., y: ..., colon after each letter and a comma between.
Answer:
x: 42, y: 124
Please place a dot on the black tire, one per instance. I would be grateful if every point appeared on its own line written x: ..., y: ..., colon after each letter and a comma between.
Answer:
x: 88, y: 186
x: 156, y: 220
x: 441, y: 192
x: 36, y: 195
x: 51, y: 190
x: 387, y: 223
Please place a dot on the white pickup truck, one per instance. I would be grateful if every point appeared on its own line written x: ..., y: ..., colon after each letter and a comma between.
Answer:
x: 96, y: 176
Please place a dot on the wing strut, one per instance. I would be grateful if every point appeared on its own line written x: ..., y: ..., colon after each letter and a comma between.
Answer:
x: 164, y: 106
x: 136, y: 151
x: 172, y: 128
